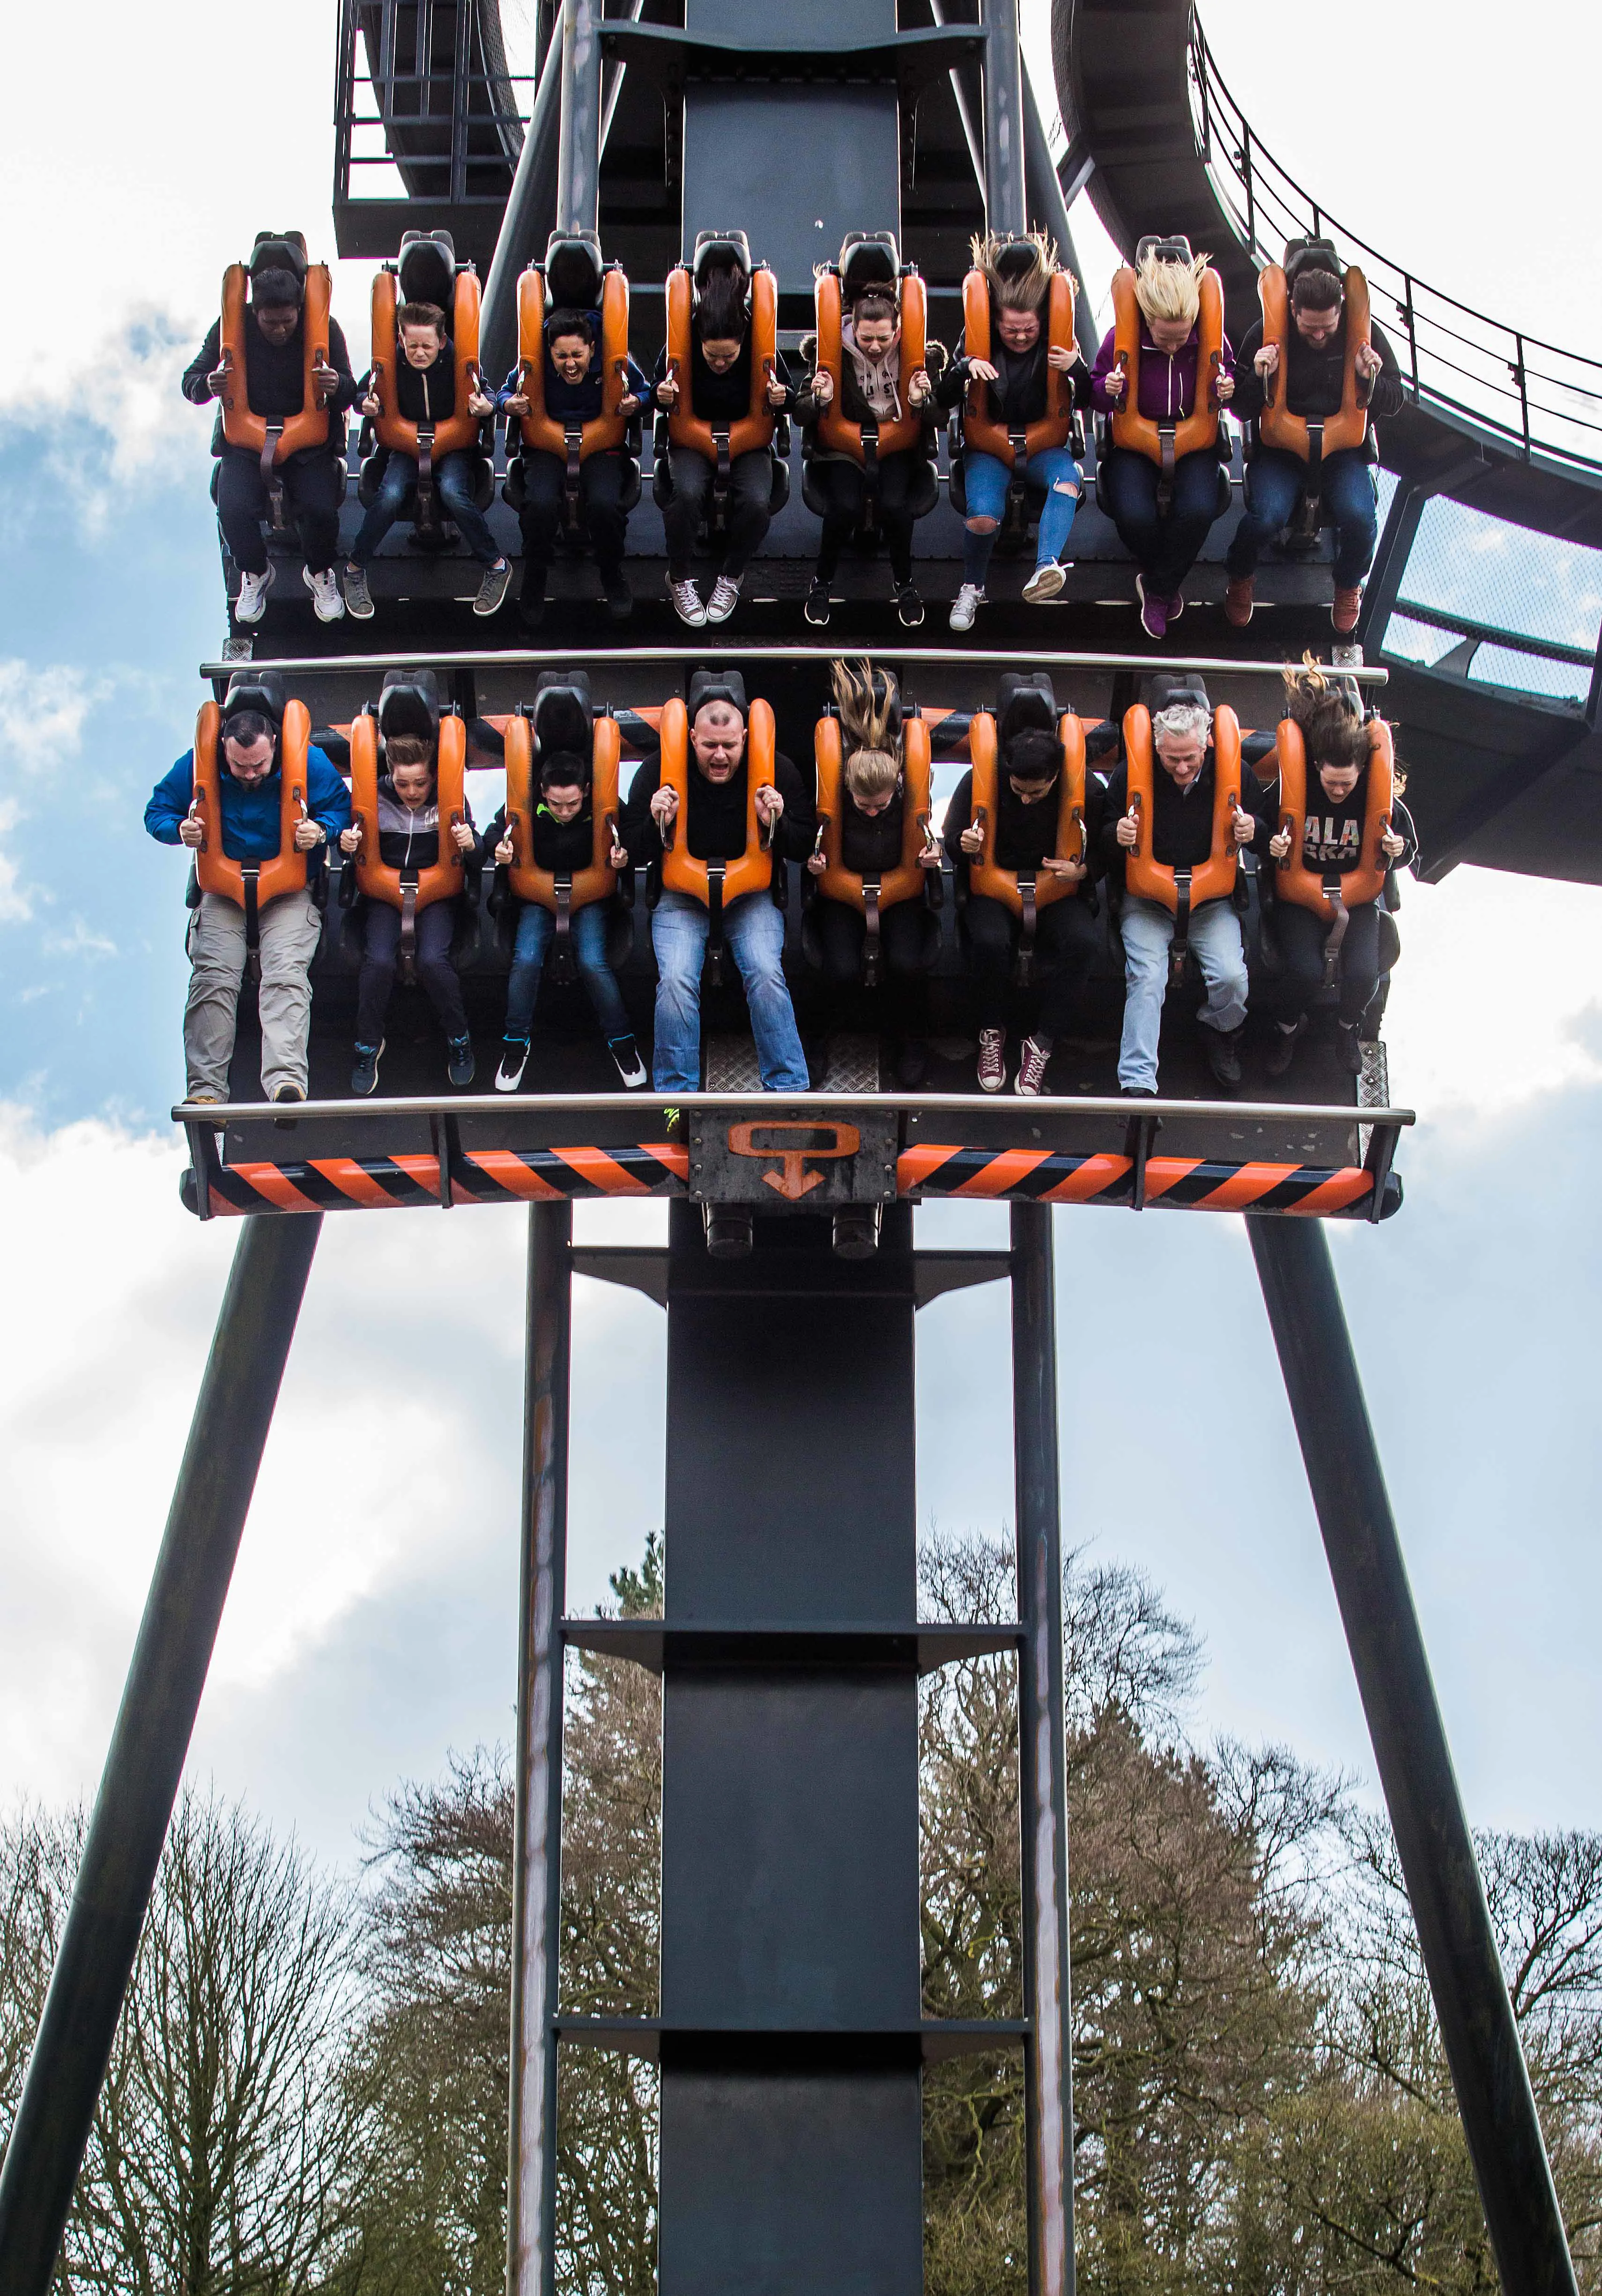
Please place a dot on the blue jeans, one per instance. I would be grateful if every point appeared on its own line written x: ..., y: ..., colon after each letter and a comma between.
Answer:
x: 1148, y: 932
x: 453, y: 480
x: 1273, y: 487
x: 1165, y: 549
x: 536, y: 930
x: 754, y: 930
x: 986, y: 479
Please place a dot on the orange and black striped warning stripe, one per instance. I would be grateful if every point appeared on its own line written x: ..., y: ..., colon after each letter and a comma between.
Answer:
x: 1191, y: 1183
x: 485, y: 1175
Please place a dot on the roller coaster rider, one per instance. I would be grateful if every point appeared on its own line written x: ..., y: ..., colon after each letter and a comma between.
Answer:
x: 1022, y: 829
x: 255, y: 804
x: 715, y: 815
x: 1163, y: 371
x: 1181, y: 808
x: 722, y: 390
x: 1314, y: 369
x: 295, y: 386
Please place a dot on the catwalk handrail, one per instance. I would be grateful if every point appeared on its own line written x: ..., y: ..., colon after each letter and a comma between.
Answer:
x: 1543, y: 400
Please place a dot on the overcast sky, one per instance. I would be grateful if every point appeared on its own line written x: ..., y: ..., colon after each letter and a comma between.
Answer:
x: 372, y: 1621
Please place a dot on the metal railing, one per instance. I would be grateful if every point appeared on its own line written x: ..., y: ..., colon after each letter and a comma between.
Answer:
x: 427, y: 90
x: 1543, y: 402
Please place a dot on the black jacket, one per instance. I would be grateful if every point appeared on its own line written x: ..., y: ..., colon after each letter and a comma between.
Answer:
x: 561, y: 847
x: 870, y: 844
x: 1317, y: 379
x: 716, y: 831
x: 275, y: 377
x: 1182, y: 819
x: 1332, y: 839
x: 1025, y: 834
x: 721, y: 398
x: 426, y: 394
x: 1018, y: 394
x: 409, y: 838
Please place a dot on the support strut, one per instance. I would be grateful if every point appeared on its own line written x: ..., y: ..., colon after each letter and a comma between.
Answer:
x: 149, y: 1745
x: 1433, y: 1840
x: 537, y: 1872
x: 1041, y: 1758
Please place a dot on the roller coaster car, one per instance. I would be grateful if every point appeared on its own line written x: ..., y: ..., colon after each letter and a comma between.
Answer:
x: 868, y: 260
x: 909, y: 881
x: 759, y: 426
x: 973, y: 424
x: 562, y: 719
x: 574, y: 277
x: 425, y: 271
x: 1164, y: 443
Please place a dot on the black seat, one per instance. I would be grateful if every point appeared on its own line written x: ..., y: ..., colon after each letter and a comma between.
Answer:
x: 409, y: 703
x: 255, y: 689
x: 1025, y: 699
x: 427, y: 268
x: 573, y: 268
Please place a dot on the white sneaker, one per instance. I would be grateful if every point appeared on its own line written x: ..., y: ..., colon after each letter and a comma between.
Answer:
x: 252, y: 602
x: 966, y: 604
x: 324, y: 594
x: 625, y: 1058
x: 1044, y: 583
x: 686, y: 603
x: 514, y: 1060
x: 724, y: 598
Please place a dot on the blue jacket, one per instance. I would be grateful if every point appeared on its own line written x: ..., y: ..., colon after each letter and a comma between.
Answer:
x: 250, y: 817
x: 579, y: 399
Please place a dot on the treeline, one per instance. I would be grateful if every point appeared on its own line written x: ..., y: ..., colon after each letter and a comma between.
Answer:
x: 308, y: 2089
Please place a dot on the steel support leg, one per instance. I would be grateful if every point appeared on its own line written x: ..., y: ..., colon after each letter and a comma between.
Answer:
x: 1042, y: 1790
x: 1433, y: 1840
x: 1005, y: 206
x: 578, y: 164
x: 536, y: 1883
x: 148, y: 1744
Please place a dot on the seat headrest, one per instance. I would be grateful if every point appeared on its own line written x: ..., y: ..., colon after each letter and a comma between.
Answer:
x: 1165, y: 689
x: 1024, y: 698
x: 562, y: 713
x: 255, y: 689
x: 409, y: 703
x: 573, y: 268
x: 279, y: 250
x: 428, y: 269
x: 1173, y: 250
x: 717, y: 685
x: 1311, y: 255
x: 869, y: 259
x: 716, y: 250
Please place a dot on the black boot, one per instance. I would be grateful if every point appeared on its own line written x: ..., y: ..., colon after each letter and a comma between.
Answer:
x: 1349, y: 1046
x: 1282, y: 1046
x: 1223, y: 1056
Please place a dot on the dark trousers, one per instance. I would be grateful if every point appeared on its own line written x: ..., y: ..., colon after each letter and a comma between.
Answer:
x: 314, y: 487
x: 844, y: 488
x: 455, y: 480
x: 903, y: 976
x: 1274, y: 483
x: 1302, y: 935
x: 599, y: 497
x: 750, y: 493
x: 1165, y: 549
x: 1065, y: 944
x: 380, y: 947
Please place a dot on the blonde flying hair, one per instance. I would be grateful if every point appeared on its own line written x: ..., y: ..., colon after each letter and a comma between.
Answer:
x: 1026, y: 287
x: 872, y: 764
x: 1170, y: 290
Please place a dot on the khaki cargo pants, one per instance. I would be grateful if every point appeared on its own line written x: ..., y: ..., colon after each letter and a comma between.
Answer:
x: 290, y: 927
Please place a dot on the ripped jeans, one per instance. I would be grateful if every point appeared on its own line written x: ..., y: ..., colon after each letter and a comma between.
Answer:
x: 987, y: 479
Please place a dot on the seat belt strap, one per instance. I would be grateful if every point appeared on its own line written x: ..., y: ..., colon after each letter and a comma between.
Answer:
x: 1024, y: 970
x: 1178, y: 948
x: 870, y: 938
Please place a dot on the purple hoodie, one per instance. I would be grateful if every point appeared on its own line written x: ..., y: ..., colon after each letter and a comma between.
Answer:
x: 1167, y: 381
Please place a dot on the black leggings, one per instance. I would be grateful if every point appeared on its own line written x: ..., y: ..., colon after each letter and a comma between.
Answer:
x: 903, y: 976
x: 600, y: 500
x: 314, y: 486
x: 381, y: 949
x: 845, y: 489
x: 1301, y: 934
x: 750, y: 493
x: 1065, y: 945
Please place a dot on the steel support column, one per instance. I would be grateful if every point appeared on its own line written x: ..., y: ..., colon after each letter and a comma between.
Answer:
x: 578, y: 164
x: 1049, y: 209
x: 148, y: 1744
x: 1041, y: 1783
x: 526, y: 225
x: 1005, y: 204
x: 537, y: 1871
x: 1433, y: 1840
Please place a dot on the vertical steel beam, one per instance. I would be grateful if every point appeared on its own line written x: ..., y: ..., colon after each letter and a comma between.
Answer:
x: 526, y: 225
x: 1433, y: 1840
x: 1005, y: 204
x: 1041, y: 1760
x: 150, y: 1744
x: 537, y: 1871
x: 578, y: 162
x: 1049, y: 209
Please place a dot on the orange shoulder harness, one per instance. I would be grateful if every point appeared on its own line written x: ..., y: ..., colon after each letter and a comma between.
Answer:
x: 1277, y: 426
x: 530, y: 882
x: 285, y: 870
x: 839, y: 435
x: 1007, y: 885
x: 1294, y: 880
x: 906, y: 881
x: 241, y: 427
x: 1153, y: 881
x: 981, y: 429
x: 750, y: 871
x: 603, y: 432
x: 443, y: 881
x: 1199, y: 429
x: 460, y: 429
x: 755, y: 428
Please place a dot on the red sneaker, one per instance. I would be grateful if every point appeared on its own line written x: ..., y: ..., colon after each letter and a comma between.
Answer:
x: 1348, y: 604
x: 1033, y: 1061
x: 1238, y: 602
x: 992, y: 1059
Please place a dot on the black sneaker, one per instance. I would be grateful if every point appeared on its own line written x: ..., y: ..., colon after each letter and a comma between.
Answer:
x: 530, y: 604
x: 514, y: 1060
x: 909, y: 607
x: 625, y: 1058
x: 286, y: 1094
x: 461, y: 1068
x: 1282, y: 1046
x: 1349, y: 1046
x: 912, y: 1063
x: 1223, y: 1056
x: 620, y: 597
x: 364, y: 1076
x: 816, y: 606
